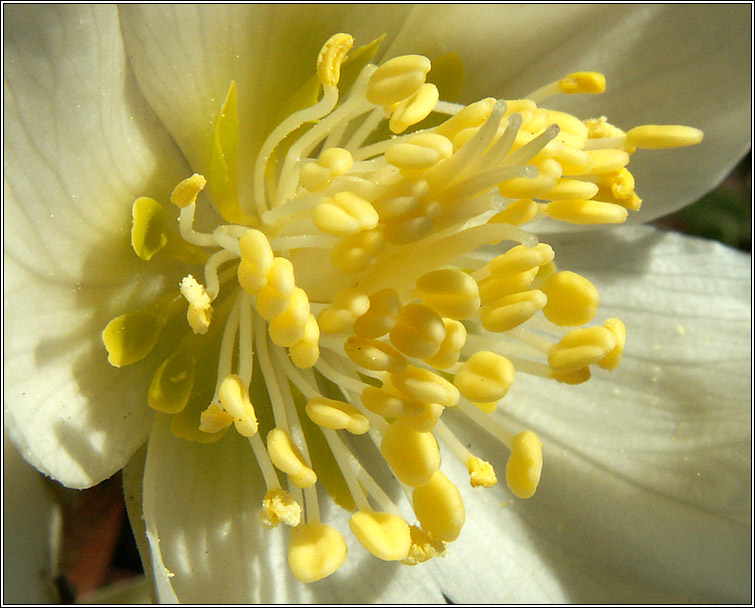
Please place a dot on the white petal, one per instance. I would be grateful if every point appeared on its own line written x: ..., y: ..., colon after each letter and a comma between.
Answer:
x: 31, y: 526
x: 80, y: 146
x: 201, y: 505
x: 645, y: 493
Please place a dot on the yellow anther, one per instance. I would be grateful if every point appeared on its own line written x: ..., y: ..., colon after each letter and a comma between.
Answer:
x: 288, y: 327
x: 199, y: 313
x: 567, y: 123
x: 599, y: 128
x: 354, y: 253
x: 583, y: 82
x: 373, y: 354
x: 618, y: 187
x: 512, y: 310
x: 439, y: 508
x: 305, y: 353
x: 586, y: 212
x: 580, y: 348
x: 404, y: 201
x: 485, y: 377
x: 481, y: 473
x: 571, y: 188
x: 520, y: 106
x: 256, y: 261
x: 548, y: 173
x: 423, y: 548
x: 337, y: 415
x: 470, y: 116
x: 397, y: 79
x: 412, y: 229
x: 421, y: 416
x: 525, y: 464
x: 316, y: 176
x: 383, y: 402
x: 286, y: 456
x: 654, y: 137
x: 495, y: 287
x: 348, y: 305
x: 414, y: 109
x: 450, y: 349
x: 412, y: 455
x: 573, y: 161
x: 344, y: 214
x: 619, y: 331
x: 517, y: 213
x: 425, y: 386
x: 384, y: 535
x: 330, y: 58
x: 279, y: 506
x: 572, y: 299
x: 450, y: 292
x: 186, y: 192
x: 148, y: 234
x: 579, y: 376
x: 521, y: 259
x: 172, y: 383
x: 214, y: 419
x: 419, y: 331
x: 234, y: 399
x: 418, y: 152
x: 315, y: 551
x: 274, y: 298
x: 385, y: 306
x: 607, y: 160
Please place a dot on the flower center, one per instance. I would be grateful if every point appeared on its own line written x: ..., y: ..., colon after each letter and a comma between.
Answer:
x: 347, y: 300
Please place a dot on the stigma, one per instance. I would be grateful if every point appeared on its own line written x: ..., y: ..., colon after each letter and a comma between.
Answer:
x: 350, y: 297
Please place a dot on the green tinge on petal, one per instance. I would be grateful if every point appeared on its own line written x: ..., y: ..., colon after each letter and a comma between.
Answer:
x: 224, y: 162
x: 131, y: 337
x: 172, y: 383
x: 448, y: 75
x: 148, y: 232
x: 185, y: 424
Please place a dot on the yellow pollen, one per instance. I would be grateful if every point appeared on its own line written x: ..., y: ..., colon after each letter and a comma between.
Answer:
x: 481, y: 473
x: 278, y: 506
x: 199, y: 313
x: 372, y: 267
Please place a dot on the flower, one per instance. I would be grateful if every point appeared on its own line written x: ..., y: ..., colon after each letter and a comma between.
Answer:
x: 78, y: 147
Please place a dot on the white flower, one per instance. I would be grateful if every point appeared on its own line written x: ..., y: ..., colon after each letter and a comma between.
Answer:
x: 643, y: 496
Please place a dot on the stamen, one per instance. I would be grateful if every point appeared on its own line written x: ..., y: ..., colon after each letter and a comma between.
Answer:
x: 356, y: 267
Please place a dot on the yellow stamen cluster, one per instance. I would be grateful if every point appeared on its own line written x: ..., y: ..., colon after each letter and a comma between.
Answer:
x: 348, y: 300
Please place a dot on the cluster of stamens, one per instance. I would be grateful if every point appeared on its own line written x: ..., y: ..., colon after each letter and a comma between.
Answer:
x: 353, y: 304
